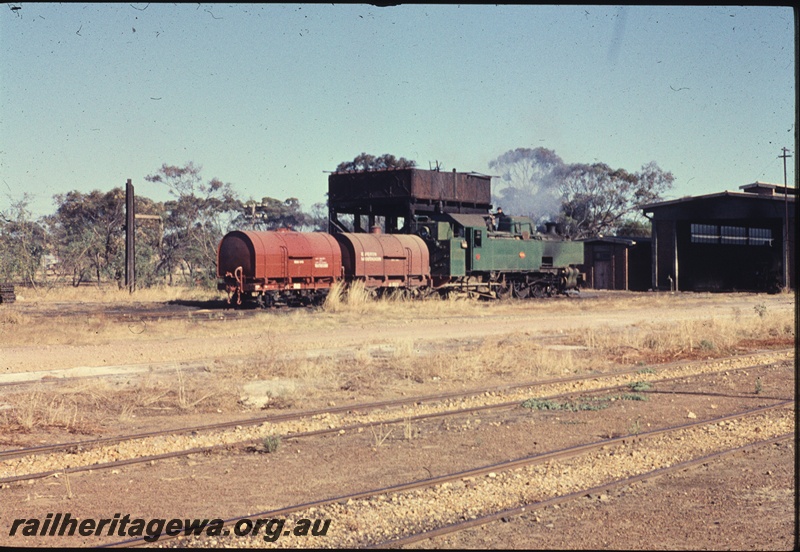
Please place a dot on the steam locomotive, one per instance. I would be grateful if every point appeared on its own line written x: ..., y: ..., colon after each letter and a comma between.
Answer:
x: 475, y: 254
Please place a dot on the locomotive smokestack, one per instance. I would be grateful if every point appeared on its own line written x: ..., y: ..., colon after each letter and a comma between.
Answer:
x: 375, y: 229
x: 551, y: 228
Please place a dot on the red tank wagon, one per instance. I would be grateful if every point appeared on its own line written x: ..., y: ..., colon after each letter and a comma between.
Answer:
x: 385, y: 260
x: 283, y: 265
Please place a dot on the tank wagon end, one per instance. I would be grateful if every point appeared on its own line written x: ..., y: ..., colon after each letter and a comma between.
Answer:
x: 281, y: 266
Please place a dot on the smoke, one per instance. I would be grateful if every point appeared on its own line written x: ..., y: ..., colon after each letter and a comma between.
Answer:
x: 541, y: 203
x: 529, y: 186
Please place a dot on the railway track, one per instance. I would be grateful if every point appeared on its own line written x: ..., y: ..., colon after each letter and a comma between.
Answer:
x: 217, y: 310
x: 557, y: 500
x: 487, y: 486
x: 37, y: 462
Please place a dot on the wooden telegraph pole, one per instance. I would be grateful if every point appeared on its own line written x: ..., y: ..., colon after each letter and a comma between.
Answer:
x: 130, y: 238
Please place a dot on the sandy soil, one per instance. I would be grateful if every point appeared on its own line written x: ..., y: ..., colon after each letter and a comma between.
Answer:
x: 741, y: 502
x: 135, y: 342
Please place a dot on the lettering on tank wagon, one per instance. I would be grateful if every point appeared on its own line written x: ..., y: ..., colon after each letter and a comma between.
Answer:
x: 370, y: 256
x: 320, y: 262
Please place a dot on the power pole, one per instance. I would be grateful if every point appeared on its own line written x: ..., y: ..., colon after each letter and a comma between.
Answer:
x: 785, y: 222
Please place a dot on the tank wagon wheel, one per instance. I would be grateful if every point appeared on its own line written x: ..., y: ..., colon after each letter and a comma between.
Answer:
x: 318, y: 299
x: 265, y: 301
x: 402, y: 294
x: 422, y: 293
x: 394, y: 294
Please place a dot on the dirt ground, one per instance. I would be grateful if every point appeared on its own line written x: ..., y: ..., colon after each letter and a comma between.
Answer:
x: 316, y: 359
x: 744, y: 502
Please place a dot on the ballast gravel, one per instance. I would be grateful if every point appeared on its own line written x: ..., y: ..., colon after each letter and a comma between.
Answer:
x: 153, y: 446
x: 382, y: 518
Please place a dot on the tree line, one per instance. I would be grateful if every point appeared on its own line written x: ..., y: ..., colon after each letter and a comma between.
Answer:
x: 85, y: 237
x: 84, y: 240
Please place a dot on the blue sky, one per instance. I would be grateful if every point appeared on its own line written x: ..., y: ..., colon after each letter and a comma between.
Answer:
x: 268, y: 97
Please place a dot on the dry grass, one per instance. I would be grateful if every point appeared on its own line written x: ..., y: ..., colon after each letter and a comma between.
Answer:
x: 11, y: 318
x: 353, y: 298
x: 718, y: 336
x: 40, y: 409
x: 110, y: 294
x: 515, y: 356
x: 484, y: 361
x: 84, y: 406
x: 357, y: 300
x: 20, y: 329
x: 373, y: 369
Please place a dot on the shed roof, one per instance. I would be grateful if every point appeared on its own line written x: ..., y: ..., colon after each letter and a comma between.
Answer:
x: 616, y: 240
x: 748, y: 196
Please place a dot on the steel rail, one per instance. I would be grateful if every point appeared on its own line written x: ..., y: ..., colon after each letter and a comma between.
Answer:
x: 561, y: 454
x: 313, y: 433
x: 61, y: 447
x: 133, y: 314
x: 467, y: 524
x: 337, y: 429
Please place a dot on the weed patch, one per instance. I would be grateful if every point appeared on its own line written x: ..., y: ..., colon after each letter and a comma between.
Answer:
x: 569, y: 406
x: 640, y: 386
x: 633, y: 397
x: 271, y: 443
x: 706, y: 345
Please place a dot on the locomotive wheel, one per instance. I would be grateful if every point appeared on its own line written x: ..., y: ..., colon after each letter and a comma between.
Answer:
x: 521, y: 290
x: 503, y: 292
x: 539, y: 291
